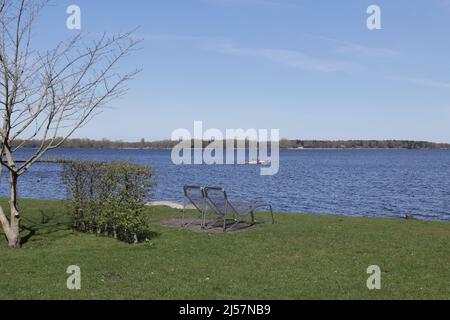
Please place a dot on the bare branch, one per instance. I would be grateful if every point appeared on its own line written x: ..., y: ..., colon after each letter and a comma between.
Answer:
x: 50, y: 95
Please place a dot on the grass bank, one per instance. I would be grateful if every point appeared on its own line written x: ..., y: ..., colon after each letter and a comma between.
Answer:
x: 300, y: 257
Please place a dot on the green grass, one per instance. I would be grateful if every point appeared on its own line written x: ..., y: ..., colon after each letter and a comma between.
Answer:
x: 300, y: 257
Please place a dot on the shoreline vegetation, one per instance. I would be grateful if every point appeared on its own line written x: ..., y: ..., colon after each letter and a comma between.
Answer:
x: 299, y: 257
x: 284, y: 144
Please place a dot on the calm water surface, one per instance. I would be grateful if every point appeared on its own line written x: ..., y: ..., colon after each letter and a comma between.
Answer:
x: 376, y: 183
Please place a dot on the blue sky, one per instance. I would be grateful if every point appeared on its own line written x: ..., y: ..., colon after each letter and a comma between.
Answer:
x: 310, y: 68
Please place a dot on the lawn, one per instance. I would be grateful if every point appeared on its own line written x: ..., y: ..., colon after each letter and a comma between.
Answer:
x: 300, y: 257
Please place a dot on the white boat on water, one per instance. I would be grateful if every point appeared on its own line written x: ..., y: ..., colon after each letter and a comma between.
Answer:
x: 258, y: 162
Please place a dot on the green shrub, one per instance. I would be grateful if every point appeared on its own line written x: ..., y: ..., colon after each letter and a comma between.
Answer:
x: 109, y: 198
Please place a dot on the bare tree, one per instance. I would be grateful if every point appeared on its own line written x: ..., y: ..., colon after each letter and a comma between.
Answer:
x: 49, y: 95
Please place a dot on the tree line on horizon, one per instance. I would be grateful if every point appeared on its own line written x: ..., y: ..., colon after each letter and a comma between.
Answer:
x: 284, y: 144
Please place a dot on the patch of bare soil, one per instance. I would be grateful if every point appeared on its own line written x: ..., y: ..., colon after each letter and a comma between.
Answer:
x: 211, y: 227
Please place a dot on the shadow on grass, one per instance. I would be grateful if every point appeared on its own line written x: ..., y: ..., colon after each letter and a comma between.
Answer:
x: 43, y: 228
x: 50, y: 223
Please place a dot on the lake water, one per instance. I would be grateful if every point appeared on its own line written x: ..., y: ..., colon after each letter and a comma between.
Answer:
x: 374, y: 183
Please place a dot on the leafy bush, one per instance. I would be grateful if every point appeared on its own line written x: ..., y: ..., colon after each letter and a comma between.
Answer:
x: 109, y: 198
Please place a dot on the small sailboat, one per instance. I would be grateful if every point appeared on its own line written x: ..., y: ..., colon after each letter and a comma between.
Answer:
x: 258, y: 162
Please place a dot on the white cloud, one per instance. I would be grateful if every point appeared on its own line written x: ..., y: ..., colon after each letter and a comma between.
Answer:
x: 272, y: 3
x: 423, y: 82
x: 444, y: 3
x: 290, y: 58
x: 366, y: 52
x: 357, y: 50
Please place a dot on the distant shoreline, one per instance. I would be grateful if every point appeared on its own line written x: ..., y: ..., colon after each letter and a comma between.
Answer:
x: 287, y: 149
x: 238, y: 144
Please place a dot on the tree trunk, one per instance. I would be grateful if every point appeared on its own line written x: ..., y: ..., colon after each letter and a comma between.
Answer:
x: 14, y: 234
x: 5, y: 224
